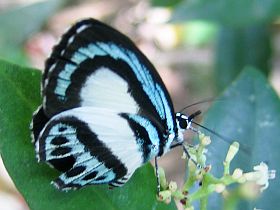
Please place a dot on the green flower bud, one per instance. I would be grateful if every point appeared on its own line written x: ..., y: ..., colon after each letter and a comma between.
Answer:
x: 233, y: 149
x: 163, y: 195
x: 205, y: 140
x: 162, y: 178
x: 237, y: 173
x: 172, y: 186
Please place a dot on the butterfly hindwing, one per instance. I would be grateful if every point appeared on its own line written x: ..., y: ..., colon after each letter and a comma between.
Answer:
x: 38, y: 122
x: 120, y: 182
x: 95, y: 65
x: 96, y: 146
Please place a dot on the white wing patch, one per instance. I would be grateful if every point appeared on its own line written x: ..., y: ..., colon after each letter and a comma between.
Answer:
x: 106, y: 89
x: 114, y: 131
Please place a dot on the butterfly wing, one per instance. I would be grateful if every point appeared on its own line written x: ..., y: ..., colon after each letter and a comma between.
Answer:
x: 96, y: 146
x: 105, y: 109
x: 95, y: 65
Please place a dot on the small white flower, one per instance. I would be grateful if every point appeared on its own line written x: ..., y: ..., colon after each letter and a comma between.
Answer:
x: 261, y: 175
x: 265, y: 175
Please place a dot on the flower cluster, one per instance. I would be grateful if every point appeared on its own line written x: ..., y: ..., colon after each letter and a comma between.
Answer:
x: 249, y: 185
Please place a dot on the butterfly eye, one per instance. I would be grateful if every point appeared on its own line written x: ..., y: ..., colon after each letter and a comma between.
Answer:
x: 183, y: 123
x: 182, y: 120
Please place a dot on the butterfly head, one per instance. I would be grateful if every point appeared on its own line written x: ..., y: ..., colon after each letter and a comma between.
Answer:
x: 184, y: 122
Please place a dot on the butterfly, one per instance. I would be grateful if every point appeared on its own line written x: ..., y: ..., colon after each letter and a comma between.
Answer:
x: 105, y: 110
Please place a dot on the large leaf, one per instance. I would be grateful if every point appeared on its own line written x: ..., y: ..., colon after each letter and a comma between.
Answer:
x: 19, y: 96
x: 231, y: 12
x: 237, y: 48
x: 248, y: 111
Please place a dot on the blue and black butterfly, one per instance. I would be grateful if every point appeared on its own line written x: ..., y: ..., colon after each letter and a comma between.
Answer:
x: 105, y: 109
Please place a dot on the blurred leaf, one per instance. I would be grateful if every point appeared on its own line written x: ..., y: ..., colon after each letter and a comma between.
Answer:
x: 165, y: 3
x: 19, y: 97
x: 231, y: 12
x: 19, y: 23
x: 237, y: 48
x: 15, y: 54
x: 248, y: 111
x: 199, y: 33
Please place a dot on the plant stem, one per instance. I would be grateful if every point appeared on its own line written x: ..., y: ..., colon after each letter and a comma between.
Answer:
x: 203, y: 203
x: 231, y: 201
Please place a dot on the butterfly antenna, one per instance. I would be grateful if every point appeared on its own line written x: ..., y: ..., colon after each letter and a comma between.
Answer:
x: 192, y: 116
x: 200, y: 102
x: 226, y: 139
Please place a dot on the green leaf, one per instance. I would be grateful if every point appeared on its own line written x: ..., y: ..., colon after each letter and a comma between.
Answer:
x: 237, y: 48
x: 165, y: 3
x: 19, y: 97
x: 249, y: 112
x: 199, y: 33
x: 231, y: 12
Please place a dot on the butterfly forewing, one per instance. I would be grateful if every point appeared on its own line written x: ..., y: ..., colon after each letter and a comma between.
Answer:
x: 95, y: 65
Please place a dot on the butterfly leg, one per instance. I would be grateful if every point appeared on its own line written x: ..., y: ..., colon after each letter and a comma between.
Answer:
x: 184, y: 148
x: 186, y: 151
x: 157, y: 176
x: 189, y: 156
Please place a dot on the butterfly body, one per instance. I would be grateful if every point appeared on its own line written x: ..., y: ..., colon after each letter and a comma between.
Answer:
x: 105, y: 109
